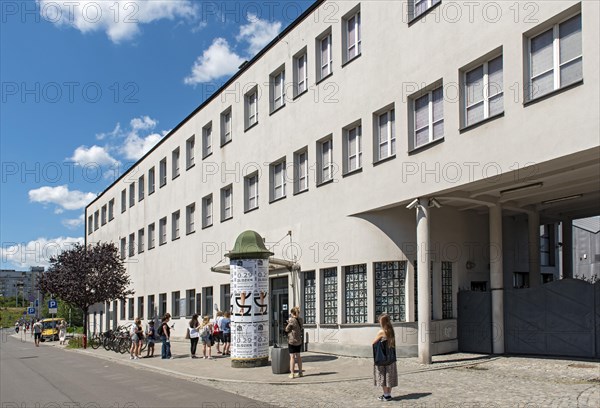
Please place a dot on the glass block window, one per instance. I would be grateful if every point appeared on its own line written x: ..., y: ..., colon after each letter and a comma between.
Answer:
x: 310, y: 298
x: 356, y: 293
x: 330, y: 283
x: 390, y: 284
x: 446, y: 290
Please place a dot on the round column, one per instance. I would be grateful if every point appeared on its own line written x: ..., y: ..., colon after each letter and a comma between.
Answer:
x: 249, y: 276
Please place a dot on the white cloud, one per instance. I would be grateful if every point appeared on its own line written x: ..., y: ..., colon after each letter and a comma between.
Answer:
x: 258, y: 33
x: 112, y: 134
x: 119, y: 19
x: 217, y: 61
x: 61, y: 196
x: 143, y: 123
x: 74, y: 223
x: 136, y: 146
x: 94, y: 155
x: 37, y: 252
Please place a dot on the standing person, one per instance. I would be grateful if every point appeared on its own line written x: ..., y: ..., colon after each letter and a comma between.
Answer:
x: 217, y: 331
x: 140, y: 333
x: 206, y: 331
x: 17, y: 327
x: 151, y: 339
x: 135, y: 334
x: 386, y: 376
x: 165, y: 337
x: 37, y: 332
x: 226, y: 328
x: 294, y: 331
x: 62, y: 332
x: 194, y: 334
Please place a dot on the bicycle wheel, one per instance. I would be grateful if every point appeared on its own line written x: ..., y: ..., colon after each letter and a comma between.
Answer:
x: 95, y: 342
x: 106, y: 343
x: 125, y: 345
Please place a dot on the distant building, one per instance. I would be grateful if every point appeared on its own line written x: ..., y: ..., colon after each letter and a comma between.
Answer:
x: 586, y: 247
x: 23, y: 283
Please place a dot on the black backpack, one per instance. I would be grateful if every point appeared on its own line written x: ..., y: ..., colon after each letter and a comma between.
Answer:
x: 160, y: 330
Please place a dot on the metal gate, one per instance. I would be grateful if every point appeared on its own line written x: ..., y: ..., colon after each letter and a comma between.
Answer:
x: 475, y: 322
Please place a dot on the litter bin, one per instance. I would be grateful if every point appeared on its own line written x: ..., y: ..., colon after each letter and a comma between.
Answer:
x: 280, y: 360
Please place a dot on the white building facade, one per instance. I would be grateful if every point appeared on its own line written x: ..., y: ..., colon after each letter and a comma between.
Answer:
x: 486, y: 115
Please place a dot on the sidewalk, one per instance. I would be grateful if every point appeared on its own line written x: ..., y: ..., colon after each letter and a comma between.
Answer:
x: 456, y: 380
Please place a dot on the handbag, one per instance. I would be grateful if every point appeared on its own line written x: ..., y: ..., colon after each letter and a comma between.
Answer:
x: 194, y: 334
x: 383, y: 354
x: 187, y: 333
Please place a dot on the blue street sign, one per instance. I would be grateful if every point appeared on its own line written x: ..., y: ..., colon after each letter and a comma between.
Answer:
x: 31, y: 310
x: 37, y: 302
x: 52, y: 304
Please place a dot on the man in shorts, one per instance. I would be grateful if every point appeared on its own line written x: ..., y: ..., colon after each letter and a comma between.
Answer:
x: 37, y: 332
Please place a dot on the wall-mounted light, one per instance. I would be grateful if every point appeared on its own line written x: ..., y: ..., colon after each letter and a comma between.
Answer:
x: 521, y: 188
x: 556, y: 200
x: 413, y: 204
x: 470, y: 265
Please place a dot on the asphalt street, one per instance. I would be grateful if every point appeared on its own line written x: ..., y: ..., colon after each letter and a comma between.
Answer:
x: 48, y: 377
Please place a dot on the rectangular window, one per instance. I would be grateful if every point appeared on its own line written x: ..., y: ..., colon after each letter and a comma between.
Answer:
x: 175, y: 225
x: 131, y: 245
x: 300, y: 73
x: 96, y: 220
x: 123, y: 248
x: 418, y: 7
x: 330, y: 283
x: 111, y: 209
x: 141, y: 240
x: 207, y: 140
x: 90, y: 224
x: 189, y: 152
x: 162, y: 172
x: 141, y: 188
x: 352, y: 34
x: 207, y: 211
x: 428, y: 117
x: 352, y: 148
x: 190, y: 218
x: 162, y: 231
x: 151, y: 311
x: 123, y: 200
x: 175, y: 297
x: 547, y: 245
x: 151, y: 181
x: 555, y: 58
x: 356, y: 293
x: 325, y: 56
x: 140, y: 307
x: 162, y: 304
x: 190, y: 302
x: 227, y: 202
x: 483, y: 91
x: 207, y: 307
x: 310, y: 298
x: 131, y: 308
x: 277, y: 89
x: 226, y: 135
x: 447, y: 290
x: 385, y: 135
x: 251, y: 192
x: 325, y: 160
x: 301, y: 171
x: 251, y: 107
x: 175, y: 163
x: 132, y: 194
x: 103, y: 215
x: 277, y: 175
x: 151, y: 231
x: 390, y: 285
x: 123, y: 309
x: 225, y: 297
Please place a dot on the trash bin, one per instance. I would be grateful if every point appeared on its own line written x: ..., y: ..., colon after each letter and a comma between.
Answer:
x: 280, y: 360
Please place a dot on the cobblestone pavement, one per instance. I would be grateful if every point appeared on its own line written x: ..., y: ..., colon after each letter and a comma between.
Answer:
x: 453, y: 381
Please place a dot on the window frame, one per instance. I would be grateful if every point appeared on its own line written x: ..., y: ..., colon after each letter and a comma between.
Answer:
x: 141, y: 238
x: 277, y: 99
x: 277, y: 180
x: 429, y: 93
x: 320, y: 64
x: 248, y: 197
x: 111, y: 209
x: 322, y: 165
x: 151, y: 180
x: 207, y: 140
x: 225, y: 206
x: 162, y: 172
x: 298, y: 78
x: 207, y: 211
x: 251, y: 107
x: 175, y: 225
x: 141, y: 182
x: 175, y: 167
x: 190, y: 219
x: 162, y: 231
x: 487, y: 96
x: 151, y: 237
x: 300, y: 175
x: 190, y: 147
x: 131, y: 194
x: 348, y: 156
x: 390, y: 139
x: 357, y: 40
x: 226, y: 126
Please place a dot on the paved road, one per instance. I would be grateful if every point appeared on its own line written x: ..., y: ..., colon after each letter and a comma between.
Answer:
x: 47, y: 377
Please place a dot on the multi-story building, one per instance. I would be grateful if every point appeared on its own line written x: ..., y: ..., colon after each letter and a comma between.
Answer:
x: 20, y: 283
x: 390, y: 156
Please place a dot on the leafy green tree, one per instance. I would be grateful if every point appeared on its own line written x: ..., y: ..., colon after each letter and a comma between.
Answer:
x: 87, y: 275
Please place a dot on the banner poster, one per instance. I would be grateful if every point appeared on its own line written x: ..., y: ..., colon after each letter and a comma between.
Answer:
x: 249, y: 308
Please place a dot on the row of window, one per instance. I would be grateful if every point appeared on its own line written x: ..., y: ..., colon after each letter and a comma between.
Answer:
x: 555, y: 61
x: 200, y: 303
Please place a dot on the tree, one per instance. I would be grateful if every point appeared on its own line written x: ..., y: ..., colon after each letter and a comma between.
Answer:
x: 86, y: 275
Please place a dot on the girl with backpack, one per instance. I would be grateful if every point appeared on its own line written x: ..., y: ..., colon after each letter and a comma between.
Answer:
x: 206, y: 330
x: 294, y: 332
x: 193, y: 334
x: 218, y: 331
x: 151, y: 336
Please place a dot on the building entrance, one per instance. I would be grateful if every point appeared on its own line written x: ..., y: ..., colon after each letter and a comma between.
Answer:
x: 279, y: 310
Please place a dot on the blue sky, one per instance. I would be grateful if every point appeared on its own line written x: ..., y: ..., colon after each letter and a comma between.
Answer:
x: 87, y: 87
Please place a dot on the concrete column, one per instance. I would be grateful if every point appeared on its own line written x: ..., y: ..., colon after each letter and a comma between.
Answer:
x: 535, y: 274
x: 496, y: 279
x: 423, y: 292
x: 567, y: 249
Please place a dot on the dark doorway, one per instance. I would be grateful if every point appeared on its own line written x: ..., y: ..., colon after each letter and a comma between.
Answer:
x: 279, y: 310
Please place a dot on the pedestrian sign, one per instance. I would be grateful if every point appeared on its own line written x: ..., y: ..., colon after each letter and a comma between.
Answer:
x: 31, y: 310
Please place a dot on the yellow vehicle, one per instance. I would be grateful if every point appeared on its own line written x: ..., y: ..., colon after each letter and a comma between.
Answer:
x: 50, y: 329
